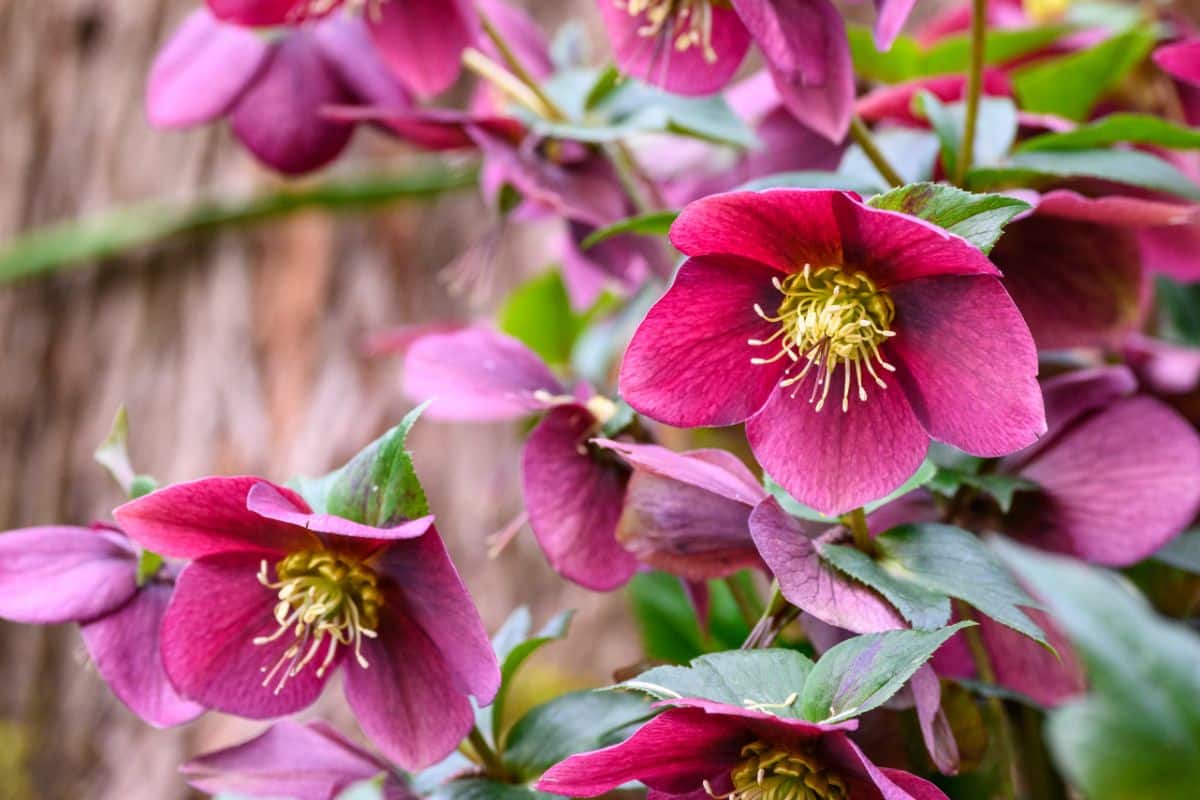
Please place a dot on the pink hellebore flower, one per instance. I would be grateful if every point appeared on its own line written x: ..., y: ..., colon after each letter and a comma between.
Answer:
x: 694, y: 47
x: 56, y: 574
x: 1117, y: 474
x: 420, y: 40
x: 699, y: 748
x: 599, y: 508
x: 309, y: 761
x: 844, y: 336
x: 272, y: 87
x: 278, y: 598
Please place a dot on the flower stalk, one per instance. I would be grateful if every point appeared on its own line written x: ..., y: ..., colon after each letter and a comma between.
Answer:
x: 999, y: 722
x: 486, y: 756
x: 974, y: 88
x: 861, y: 135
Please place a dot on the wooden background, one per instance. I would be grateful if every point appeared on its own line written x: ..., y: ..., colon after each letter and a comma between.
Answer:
x: 239, y: 352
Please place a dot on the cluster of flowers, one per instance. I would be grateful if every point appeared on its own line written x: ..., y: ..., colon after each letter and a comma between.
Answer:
x: 845, y: 334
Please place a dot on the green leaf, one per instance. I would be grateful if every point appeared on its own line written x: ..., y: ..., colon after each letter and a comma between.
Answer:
x: 538, y: 313
x: 667, y: 622
x: 1182, y: 552
x: 474, y: 788
x: 923, y: 475
x: 862, y: 673
x: 995, y: 130
x: 1133, y: 128
x: 654, y: 223
x: 1071, y: 85
x: 1000, y: 487
x: 147, y: 566
x: 1178, y: 307
x: 576, y: 722
x: 771, y: 680
x: 954, y: 562
x: 113, y: 233
x: 378, y: 487
x: 1131, y: 167
x: 907, y: 59
x: 812, y: 179
x: 1137, y: 735
x: 113, y: 455
x: 978, y: 218
x: 923, y: 608
x: 514, y: 645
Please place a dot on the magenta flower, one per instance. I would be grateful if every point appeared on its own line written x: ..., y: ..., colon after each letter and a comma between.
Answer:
x: 694, y: 47
x: 1181, y: 60
x: 420, y: 40
x: 844, y: 336
x: 278, y: 598
x: 56, y: 574
x: 698, y: 748
x: 310, y: 761
x: 272, y: 89
x: 599, y: 508
x: 1117, y: 475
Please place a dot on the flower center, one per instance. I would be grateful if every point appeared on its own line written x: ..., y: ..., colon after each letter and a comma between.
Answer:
x: 687, y: 23
x: 323, y: 599
x: 771, y: 772
x: 828, y: 318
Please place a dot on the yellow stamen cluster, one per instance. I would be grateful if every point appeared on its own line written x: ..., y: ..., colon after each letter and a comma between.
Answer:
x: 829, y: 317
x: 1046, y: 10
x: 688, y: 23
x: 323, y: 599
x: 771, y: 772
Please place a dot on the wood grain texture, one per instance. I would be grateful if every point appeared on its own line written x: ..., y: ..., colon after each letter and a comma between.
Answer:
x: 234, y: 353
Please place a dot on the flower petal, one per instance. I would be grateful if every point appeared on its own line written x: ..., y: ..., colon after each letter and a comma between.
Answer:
x: 931, y: 718
x: 53, y: 574
x: 574, y: 500
x: 717, y: 471
x: 1074, y: 393
x: 1025, y: 666
x: 477, y: 374
x: 346, y: 45
x: 436, y: 600
x: 810, y: 584
x: 407, y: 700
x: 689, y: 363
x: 305, y: 761
x: 279, y: 119
x: 266, y: 500
x: 523, y: 35
x: 1182, y: 60
x: 1116, y: 485
x: 890, y: 18
x: 835, y: 460
x: 208, y: 632
x: 968, y: 364
x: 262, y: 13
x: 202, y: 71
x: 124, y: 645
x: 209, y: 515
x: 852, y: 763
x: 657, y: 60
x: 1076, y: 283
x: 423, y: 41
x: 674, y: 752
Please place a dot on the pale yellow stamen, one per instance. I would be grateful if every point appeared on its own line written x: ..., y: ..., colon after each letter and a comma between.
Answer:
x: 773, y: 772
x: 829, y: 318
x: 688, y: 23
x: 324, y: 599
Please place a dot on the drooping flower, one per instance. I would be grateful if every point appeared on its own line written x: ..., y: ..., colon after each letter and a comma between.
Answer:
x: 695, y: 47
x: 310, y: 761
x: 273, y: 89
x: 1117, y: 475
x: 697, y: 748
x: 845, y: 336
x: 56, y: 574
x: 420, y: 40
x: 598, y: 507
x: 277, y: 598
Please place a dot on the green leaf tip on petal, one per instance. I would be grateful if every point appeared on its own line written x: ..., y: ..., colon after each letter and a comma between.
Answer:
x: 147, y: 566
x: 378, y: 487
x: 113, y: 455
x: 862, y: 673
x: 653, y: 223
x: 978, y: 218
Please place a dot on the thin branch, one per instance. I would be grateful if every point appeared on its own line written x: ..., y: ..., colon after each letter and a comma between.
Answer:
x: 862, y: 136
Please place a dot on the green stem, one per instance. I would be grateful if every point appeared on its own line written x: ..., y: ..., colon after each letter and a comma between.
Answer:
x: 745, y: 602
x: 486, y: 756
x: 856, y: 521
x: 778, y: 614
x: 861, y: 134
x: 1000, y: 724
x: 966, y: 152
x: 513, y: 62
